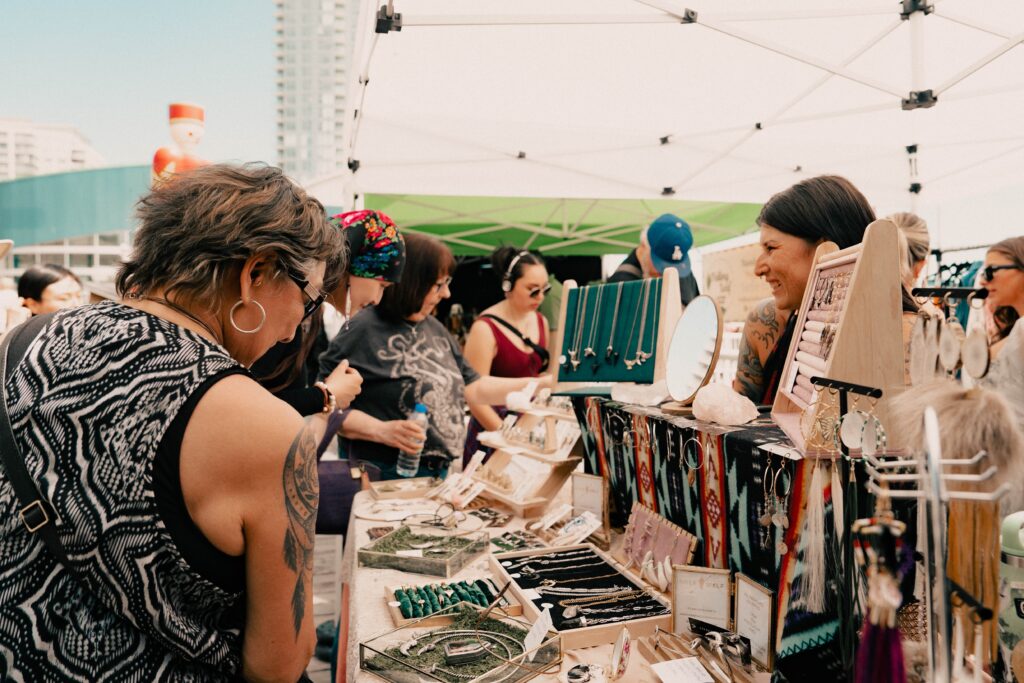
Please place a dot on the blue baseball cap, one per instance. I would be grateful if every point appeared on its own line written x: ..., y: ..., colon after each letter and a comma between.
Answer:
x: 670, y: 240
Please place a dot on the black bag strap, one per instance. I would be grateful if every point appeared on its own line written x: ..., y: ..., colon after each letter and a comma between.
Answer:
x: 537, y: 348
x: 36, y: 512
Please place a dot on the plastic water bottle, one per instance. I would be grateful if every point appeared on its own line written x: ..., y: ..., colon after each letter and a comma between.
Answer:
x: 409, y: 465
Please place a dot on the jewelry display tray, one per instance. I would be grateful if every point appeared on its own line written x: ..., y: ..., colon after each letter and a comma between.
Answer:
x: 545, y: 658
x: 446, y: 567
x: 512, y: 609
x: 534, y: 504
x: 587, y: 636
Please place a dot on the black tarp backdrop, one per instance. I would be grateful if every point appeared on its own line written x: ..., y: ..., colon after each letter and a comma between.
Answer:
x: 476, y: 286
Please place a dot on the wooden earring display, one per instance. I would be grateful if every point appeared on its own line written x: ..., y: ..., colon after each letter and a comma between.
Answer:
x: 849, y: 329
x: 606, y: 333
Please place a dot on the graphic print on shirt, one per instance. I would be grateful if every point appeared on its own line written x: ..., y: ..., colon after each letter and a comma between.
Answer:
x: 437, y: 384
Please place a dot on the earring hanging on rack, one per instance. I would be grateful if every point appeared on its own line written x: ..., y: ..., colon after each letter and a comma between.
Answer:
x: 768, y: 482
x: 873, y: 435
x: 952, y: 338
x: 691, y: 476
x: 781, y: 517
x: 974, y: 351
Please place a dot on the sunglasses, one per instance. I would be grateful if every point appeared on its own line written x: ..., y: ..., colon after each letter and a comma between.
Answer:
x: 989, y: 272
x: 315, y: 296
x: 534, y: 293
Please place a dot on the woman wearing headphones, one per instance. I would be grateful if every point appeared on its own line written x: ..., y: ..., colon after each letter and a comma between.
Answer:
x: 510, y: 338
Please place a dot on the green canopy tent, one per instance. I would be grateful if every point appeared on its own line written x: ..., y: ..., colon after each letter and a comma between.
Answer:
x: 556, y: 227
x: 66, y: 205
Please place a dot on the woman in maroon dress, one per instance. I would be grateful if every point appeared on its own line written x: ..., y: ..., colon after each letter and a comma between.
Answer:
x: 510, y: 338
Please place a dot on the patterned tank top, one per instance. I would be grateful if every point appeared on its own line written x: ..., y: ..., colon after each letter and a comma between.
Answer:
x: 89, y: 405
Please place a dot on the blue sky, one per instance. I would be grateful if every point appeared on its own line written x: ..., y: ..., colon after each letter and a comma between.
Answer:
x: 111, y: 67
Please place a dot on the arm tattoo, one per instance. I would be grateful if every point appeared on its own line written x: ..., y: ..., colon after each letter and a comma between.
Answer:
x: 749, y: 373
x: 762, y: 329
x: 764, y: 324
x: 301, y: 496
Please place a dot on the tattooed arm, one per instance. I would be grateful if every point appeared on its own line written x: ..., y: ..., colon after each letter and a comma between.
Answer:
x: 249, y: 478
x: 761, y: 333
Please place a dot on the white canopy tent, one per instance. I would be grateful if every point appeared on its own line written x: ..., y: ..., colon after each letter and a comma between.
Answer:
x: 723, y: 100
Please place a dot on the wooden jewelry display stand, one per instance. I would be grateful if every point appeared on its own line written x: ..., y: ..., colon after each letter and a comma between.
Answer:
x: 606, y: 333
x: 849, y: 329
x: 560, y: 456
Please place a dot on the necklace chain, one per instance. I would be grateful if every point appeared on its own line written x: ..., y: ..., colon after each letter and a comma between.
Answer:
x: 609, y: 354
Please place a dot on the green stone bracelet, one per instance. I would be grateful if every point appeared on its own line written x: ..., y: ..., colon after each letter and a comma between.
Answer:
x: 435, y: 606
x: 404, y: 604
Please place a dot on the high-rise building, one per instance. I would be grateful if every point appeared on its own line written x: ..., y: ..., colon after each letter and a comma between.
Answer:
x: 313, y: 50
x: 28, y: 148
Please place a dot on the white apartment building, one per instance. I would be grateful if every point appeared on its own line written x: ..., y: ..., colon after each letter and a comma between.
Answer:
x: 28, y: 148
x: 313, y: 47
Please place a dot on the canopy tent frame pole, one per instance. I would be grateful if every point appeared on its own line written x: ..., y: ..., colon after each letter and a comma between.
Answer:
x: 957, y: 19
x: 995, y: 54
x: 687, y: 16
x: 917, y: 84
x: 824, y: 78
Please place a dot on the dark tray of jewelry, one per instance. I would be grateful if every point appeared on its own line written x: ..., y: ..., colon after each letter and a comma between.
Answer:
x: 428, y: 602
x: 590, y: 596
x: 475, y: 647
x: 425, y: 550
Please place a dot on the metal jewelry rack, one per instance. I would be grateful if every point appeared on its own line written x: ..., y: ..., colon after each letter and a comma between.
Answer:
x: 927, y: 483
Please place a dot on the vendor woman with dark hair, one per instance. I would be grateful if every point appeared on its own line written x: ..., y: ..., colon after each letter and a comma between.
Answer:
x: 510, y: 338
x: 406, y: 356
x: 793, y: 223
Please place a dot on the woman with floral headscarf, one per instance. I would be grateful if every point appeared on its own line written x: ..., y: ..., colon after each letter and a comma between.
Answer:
x: 375, y: 260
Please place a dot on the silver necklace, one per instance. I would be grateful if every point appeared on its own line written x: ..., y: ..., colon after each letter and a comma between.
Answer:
x: 629, y: 340
x: 589, y: 351
x: 618, y: 610
x: 610, y: 354
x: 640, y: 355
x: 569, y: 592
x: 582, y: 621
x: 530, y: 571
x: 574, y: 350
x: 573, y: 556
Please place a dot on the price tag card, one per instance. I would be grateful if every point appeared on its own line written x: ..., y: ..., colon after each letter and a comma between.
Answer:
x: 701, y: 593
x: 754, y: 618
x: 536, y: 634
x: 685, y: 670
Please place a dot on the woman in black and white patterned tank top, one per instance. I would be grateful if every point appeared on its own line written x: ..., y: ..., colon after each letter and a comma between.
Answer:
x: 185, y: 494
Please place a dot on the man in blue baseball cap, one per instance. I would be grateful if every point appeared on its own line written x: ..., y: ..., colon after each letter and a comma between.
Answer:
x: 665, y: 243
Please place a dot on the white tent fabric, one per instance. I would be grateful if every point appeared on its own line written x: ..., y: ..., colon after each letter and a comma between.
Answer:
x: 628, y: 99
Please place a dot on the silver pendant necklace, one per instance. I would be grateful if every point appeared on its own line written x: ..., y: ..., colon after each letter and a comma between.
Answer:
x: 610, y: 354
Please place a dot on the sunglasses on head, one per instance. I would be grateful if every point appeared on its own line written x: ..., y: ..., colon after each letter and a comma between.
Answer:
x: 989, y: 272
x: 534, y: 293
x: 315, y: 296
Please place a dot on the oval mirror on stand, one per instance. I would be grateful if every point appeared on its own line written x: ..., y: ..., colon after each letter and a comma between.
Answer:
x: 693, y: 351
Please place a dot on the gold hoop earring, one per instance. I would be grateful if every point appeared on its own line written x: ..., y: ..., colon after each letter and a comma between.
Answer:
x: 263, y: 318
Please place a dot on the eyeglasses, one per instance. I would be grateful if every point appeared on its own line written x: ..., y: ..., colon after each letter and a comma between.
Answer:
x: 989, y: 272
x: 442, y: 284
x: 534, y: 293
x: 315, y: 296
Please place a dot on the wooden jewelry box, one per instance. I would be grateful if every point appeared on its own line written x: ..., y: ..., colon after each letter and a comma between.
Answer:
x: 585, y: 636
x: 509, y: 606
x: 849, y: 329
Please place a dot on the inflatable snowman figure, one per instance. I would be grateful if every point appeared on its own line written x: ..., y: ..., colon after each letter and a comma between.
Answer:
x: 187, y: 124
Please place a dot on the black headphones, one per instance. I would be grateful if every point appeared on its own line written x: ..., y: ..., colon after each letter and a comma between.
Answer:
x: 506, y: 280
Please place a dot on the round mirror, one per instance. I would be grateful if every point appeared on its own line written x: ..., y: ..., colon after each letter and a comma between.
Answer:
x: 693, y: 352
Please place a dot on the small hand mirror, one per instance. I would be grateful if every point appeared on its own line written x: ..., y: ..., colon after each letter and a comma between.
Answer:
x: 693, y: 352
